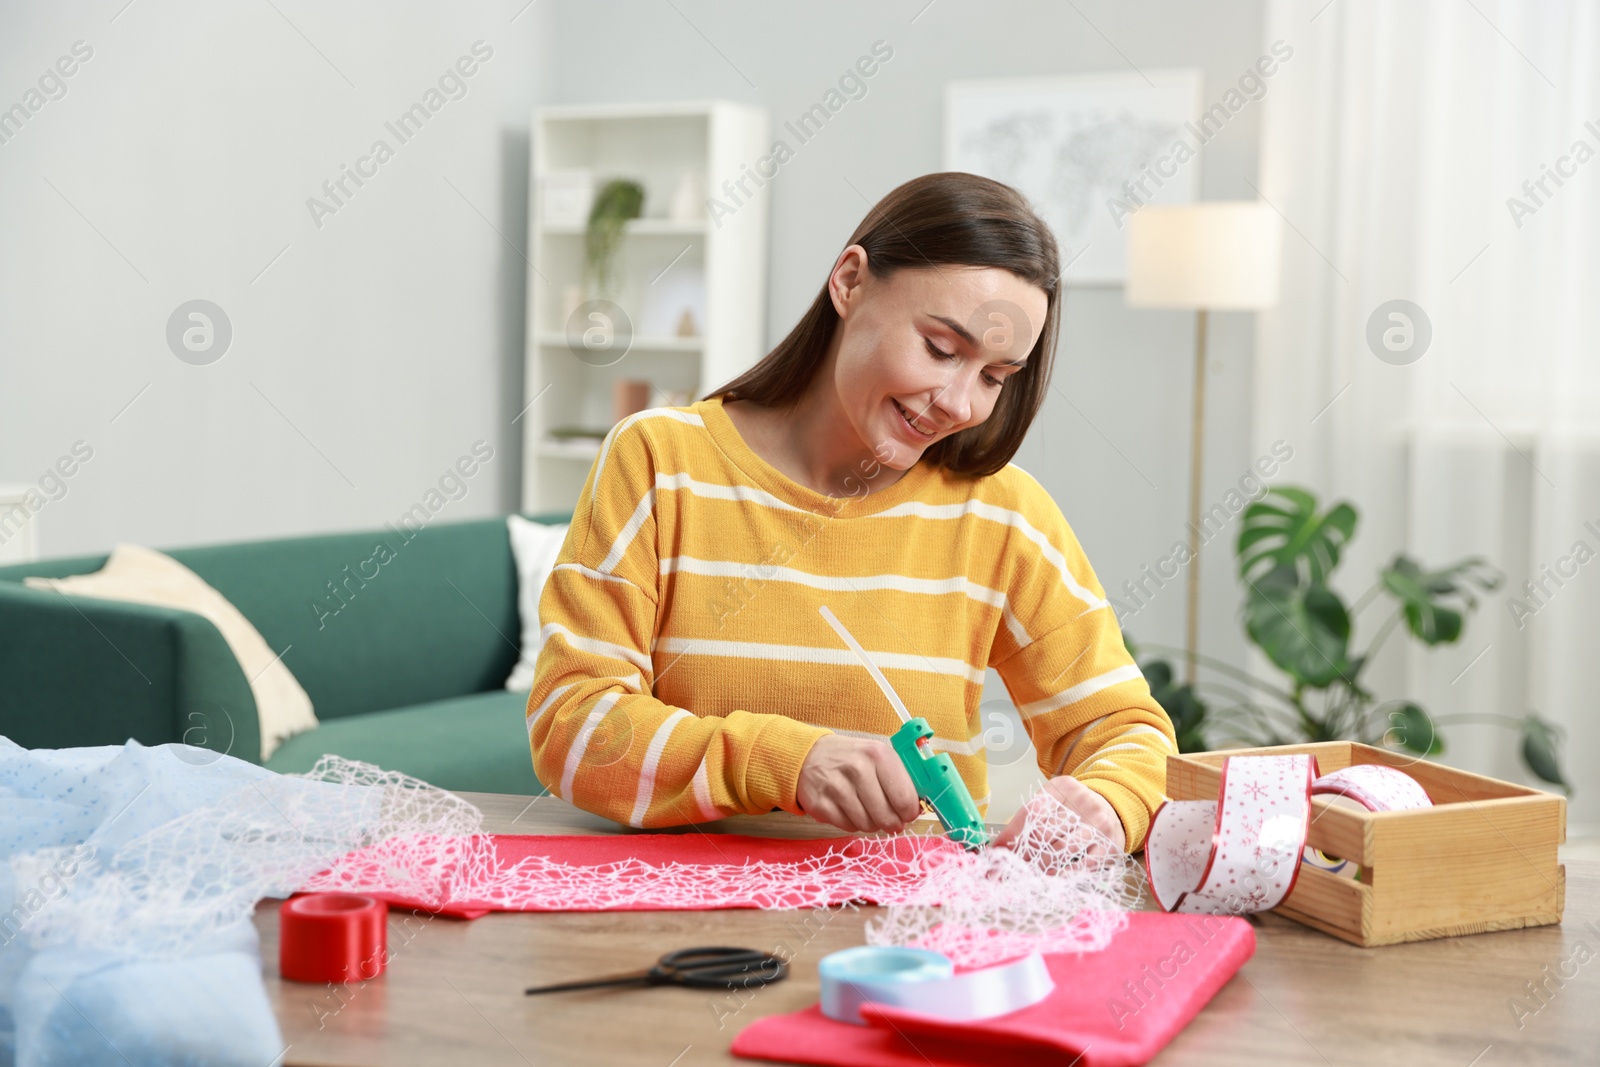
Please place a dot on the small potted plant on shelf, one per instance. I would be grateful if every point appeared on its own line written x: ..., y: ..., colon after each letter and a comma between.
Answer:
x: 618, y: 200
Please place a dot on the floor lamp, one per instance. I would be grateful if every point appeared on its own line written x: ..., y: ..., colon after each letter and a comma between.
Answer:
x: 1216, y: 256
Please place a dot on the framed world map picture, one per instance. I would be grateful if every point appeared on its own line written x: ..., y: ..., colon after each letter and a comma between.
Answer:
x: 1087, y: 149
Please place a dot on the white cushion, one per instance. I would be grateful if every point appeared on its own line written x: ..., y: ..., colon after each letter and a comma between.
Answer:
x: 535, y: 545
x: 145, y: 576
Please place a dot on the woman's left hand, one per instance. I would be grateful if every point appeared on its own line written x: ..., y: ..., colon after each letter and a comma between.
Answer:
x: 1093, y: 808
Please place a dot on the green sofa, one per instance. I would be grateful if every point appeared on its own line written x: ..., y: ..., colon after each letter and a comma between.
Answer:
x: 404, y: 654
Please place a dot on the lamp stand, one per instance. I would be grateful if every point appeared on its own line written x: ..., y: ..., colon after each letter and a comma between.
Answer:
x: 1196, y: 451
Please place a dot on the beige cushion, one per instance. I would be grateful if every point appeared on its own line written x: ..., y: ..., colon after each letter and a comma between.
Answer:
x: 145, y: 576
x: 534, y: 546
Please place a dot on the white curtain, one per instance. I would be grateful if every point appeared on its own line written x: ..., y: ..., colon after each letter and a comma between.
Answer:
x: 1392, y: 141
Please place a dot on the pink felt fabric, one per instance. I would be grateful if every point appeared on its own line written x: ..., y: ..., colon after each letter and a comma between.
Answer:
x: 1112, y: 1008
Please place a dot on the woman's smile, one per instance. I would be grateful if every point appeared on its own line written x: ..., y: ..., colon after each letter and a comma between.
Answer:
x: 911, y: 426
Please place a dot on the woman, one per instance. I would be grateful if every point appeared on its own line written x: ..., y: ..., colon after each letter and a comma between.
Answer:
x: 686, y: 672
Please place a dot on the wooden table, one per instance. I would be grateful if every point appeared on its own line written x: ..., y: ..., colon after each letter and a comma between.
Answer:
x: 453, y: 991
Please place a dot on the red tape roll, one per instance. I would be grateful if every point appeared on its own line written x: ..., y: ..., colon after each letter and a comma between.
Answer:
x: 332, y: 937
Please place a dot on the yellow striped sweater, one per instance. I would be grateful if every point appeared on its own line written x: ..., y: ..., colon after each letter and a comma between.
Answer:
x: 685, y: 670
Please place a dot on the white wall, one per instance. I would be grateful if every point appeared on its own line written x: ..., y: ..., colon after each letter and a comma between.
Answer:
x: 379, y: 347
x: 369, y: 356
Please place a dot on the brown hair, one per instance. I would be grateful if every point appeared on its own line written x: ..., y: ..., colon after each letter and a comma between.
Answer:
x: 950, y: 218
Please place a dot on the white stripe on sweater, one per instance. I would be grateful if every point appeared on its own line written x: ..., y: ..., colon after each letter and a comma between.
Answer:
x: 1081, y: 691
x: 973, y: 747
x: 619, y: 548
x: 702, y: 646
x: 767, y: 572
x: 759, y: 572
x: 1146, y: 728
x: 1019, y: 633
x: 1005, y: 517
x: 590, y: 572
x: 581, y: 743
x: 716, y: 491
x: 595, y: 645
x: 652, y: 759
x: 1130, y: 744
x: 648, y: 413
x: 702, y: 793
x: 536, y: 714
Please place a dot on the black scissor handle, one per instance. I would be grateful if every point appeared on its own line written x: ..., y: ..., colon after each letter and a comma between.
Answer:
x: 719, y: 966
x: 713, y: 967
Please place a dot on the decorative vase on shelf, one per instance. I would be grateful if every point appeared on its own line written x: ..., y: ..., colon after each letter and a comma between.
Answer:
x: 689, y: 198
x: 568, y: 196
x: 680, y: 287
x: 629, y: 395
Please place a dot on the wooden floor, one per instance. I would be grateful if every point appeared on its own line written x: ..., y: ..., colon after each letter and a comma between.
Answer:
x: 453, y: 991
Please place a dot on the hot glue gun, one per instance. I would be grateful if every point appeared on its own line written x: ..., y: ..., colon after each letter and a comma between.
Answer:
x: 942, y: 790
x: 939, y: 787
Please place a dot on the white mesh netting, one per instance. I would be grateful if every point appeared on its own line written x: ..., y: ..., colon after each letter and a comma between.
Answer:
x: 1060, y: 886
x: 349, y: 826
x: 205, y: 870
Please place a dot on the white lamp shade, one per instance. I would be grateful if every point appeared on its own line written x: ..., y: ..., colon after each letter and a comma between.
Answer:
x: 1217, y: 255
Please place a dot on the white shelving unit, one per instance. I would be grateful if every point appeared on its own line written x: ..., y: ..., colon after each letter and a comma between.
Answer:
x: 653, y: 144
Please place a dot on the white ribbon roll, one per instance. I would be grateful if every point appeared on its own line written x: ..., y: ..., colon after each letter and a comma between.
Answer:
x: 1368, y: 786
x: 1375, y: 787
x: 1242, y: 852
x: 924, y: 981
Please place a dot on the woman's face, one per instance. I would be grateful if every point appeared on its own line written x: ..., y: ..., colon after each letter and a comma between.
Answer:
x: 927, y: 349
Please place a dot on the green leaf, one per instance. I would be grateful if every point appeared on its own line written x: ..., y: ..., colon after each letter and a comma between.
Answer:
x: 1304, y: 629
x: 1182, y: 705
x: 1541, y: 742
x: 1188, y: 714
x: 1413, y: 729
x: 1158, y: 672
x: 1284, y: 530
x: 1434, y: 601
x: 1188, y: 720
x: 1352, y: 672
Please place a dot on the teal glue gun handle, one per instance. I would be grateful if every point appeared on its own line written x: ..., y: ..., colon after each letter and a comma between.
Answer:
x: 939, y: 784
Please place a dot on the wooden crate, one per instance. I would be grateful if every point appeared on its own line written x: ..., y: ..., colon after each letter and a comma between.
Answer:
x: 1482, y: 858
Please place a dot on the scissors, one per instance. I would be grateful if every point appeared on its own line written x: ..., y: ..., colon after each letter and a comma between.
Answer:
x: 711, y: 967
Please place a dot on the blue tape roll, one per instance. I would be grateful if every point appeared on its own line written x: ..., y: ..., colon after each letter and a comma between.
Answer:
x: 924, y: 981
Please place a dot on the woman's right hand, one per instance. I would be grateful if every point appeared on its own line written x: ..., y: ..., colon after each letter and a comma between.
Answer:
x: 857, y: 783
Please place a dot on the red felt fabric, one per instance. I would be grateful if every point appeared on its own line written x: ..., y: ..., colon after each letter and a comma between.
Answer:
x: 886, y: 859
x: 1112, y: 1008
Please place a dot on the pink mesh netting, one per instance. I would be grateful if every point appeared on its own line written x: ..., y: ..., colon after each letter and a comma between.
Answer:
x: 1061, y: 886
x: 636, y: 872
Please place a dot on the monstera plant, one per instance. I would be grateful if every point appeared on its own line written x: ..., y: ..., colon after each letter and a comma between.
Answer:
x: 1287, y: 553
